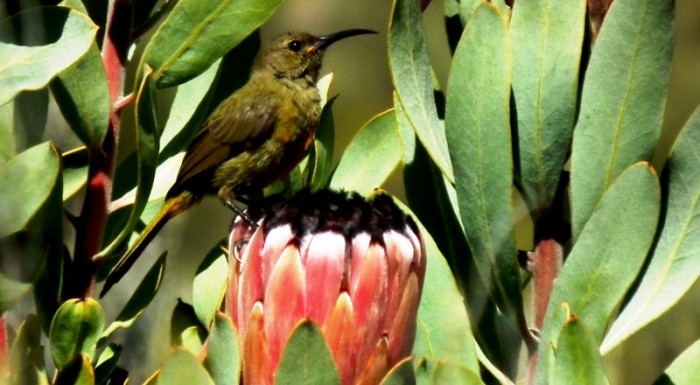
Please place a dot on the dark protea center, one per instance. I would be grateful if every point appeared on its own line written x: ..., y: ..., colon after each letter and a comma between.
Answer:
x: 328, y: 210
x: 351, y: 265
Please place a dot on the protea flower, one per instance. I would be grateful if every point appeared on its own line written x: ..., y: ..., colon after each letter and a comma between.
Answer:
x: 353, y: 267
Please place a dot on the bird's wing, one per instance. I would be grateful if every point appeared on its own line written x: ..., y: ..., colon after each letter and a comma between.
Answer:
x: 240, y: 122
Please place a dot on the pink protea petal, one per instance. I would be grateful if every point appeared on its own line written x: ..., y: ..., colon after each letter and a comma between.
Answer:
x: 284, y: 301
x: 276, y: 240
x: 360, y: 245
x: 399, y: 252
x: 250, y: 278
x: 324, y: 271
x: 369, y: 299
x: 256, y: 363
x: 376, y: 366
x: 419, y: 257
x: 403, y: 326
x: 339, y: 332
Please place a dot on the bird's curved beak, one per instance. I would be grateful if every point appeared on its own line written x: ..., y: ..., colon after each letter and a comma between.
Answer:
x: 322, y: 42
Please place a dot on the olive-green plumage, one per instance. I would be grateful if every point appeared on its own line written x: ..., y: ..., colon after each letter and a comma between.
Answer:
x: 254, y: 137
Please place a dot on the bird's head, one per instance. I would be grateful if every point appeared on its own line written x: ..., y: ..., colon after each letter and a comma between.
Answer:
x: 297, y: 55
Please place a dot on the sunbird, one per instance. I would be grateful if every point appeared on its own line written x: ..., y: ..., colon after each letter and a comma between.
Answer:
x: 253, y: 138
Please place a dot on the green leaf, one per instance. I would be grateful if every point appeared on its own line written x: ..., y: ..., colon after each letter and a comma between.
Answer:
x: 26, y: 183
x: 321, y: 156
x: 7, y: 139
x: 209, y: 286
x: 75, y: 329
x: 73, y: 181
x: 32, y: 59
x: 623, y: 99
x: 184, y: 318
x: 306, y: 358
x: 147, y: 136
x: 675, y: 261
x: 187, y: 100
x: 577, y: 359
x: 437, y: 372
x: 401, y: 374
x: 477, y: 121
x: 443, y: 331
x: 223, y: 358
x: 684, y: 369
x: 607, y: 257
x: 412, y: 76
x: 232, y: 73
x: 182, y: 368
x: 138, y: 302
x: 371, y: 157
x: 197, y: 33
x: 22, y: 258
x: 78, y: 372
x: 31, y: 110
x: 82, y: 95
x: 547, y: 40
x: 26, y: 358
x: 106, y: 363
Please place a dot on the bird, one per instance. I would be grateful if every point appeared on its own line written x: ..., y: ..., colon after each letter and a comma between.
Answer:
x: 253, y: 138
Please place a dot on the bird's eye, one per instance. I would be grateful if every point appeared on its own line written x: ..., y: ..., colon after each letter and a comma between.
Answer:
x: 295, y: 45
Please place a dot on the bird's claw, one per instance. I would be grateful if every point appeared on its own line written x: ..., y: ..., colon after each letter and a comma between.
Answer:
x: 231, y: 205
x: 238, y: 247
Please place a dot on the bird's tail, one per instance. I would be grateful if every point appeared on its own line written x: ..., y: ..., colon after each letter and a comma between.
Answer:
x: 172, y: 207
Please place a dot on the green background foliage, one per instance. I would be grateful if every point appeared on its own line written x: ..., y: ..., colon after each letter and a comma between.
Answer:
x: 467, y: 115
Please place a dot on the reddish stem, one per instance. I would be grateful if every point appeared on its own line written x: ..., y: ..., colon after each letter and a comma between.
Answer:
x: 4, y: 350
x: 91, y: 222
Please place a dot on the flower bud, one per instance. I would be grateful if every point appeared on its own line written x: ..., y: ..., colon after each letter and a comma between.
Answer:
x: 352, y: 266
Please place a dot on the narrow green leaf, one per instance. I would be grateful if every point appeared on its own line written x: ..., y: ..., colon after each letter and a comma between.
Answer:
x: 623, y: 99
x: 306, y: 358
x: 478, y: 131
x: 223, y: 358
x: 78, y: 372
x: 576, y: 356
x: 675, y: 261
x: 106, y: 363
x: 606, y: 258
x: 147, y: 136
x: 684, y: 369
x: 26, y: 183
x: 75, y: 329
x: 401, y: 374
x: 443, y: 331
x: 412, y: 76
x: 197, y: 33
x: 437, y: 372
x: 371, y: 157
x: 547, y: 40
x: 182, y: 368
x: 138, y: 302
x: 31, y: 60
x: 82, y: 95
x: 209, y: 285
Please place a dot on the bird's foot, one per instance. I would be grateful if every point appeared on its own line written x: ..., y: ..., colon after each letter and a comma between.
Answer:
x: 230, y: 203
